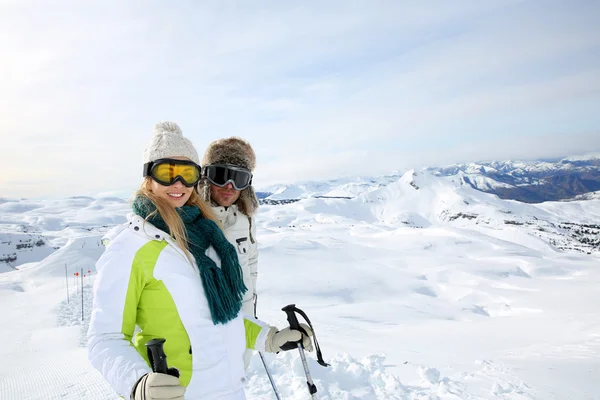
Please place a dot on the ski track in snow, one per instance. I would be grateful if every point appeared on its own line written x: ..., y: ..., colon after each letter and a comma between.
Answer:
x: 69, y: 375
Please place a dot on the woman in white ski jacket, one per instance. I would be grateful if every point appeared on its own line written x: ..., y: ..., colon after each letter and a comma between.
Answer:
x: 169, y: 272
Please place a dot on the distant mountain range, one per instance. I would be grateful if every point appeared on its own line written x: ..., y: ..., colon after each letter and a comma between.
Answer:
x: 458, y: 195
x: 433, y: 198
x: 531, y: 181
x: 525, y: 181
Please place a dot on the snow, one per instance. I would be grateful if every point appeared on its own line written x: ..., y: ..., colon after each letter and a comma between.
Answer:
x: 485, y: 183
x: 484, y: 175
x: 20, y: 248
x: 55, y: 222
x: 492, y: 176
x: 418, y: 289
x: 344, y: 187
x: 585, y: 157
x: 588, y: 196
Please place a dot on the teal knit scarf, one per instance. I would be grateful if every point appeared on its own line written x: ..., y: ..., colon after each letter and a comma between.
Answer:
x: 224, y: 287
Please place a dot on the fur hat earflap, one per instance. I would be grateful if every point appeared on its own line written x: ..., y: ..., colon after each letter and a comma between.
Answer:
x: 235, y: 151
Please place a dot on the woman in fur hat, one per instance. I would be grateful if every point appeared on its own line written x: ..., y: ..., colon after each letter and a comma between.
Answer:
x: 170, y: 272
x: 227, y: 168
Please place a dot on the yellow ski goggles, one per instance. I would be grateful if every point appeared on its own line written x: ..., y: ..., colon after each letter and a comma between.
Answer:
x: 167, y: 171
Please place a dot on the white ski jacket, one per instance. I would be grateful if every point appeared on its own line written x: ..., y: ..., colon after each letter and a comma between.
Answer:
x: 238, y: 231
x: 146, y: 288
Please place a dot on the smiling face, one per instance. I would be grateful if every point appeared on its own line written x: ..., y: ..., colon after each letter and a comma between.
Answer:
x: 176, y: 194
x: 224, y: 196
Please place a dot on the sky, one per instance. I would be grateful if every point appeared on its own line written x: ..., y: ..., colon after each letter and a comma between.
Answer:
x: 320, y: 89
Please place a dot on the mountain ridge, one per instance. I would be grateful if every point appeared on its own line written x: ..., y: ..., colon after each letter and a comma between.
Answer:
x: 525, y: 181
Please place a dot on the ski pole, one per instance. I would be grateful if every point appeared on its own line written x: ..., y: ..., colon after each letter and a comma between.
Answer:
x: 262, y: 357
x: 157, y: 356
x: 295, y: 325
x: 269, y: 375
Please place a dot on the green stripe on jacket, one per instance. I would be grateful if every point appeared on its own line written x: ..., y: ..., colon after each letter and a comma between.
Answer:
x: 147, y: 298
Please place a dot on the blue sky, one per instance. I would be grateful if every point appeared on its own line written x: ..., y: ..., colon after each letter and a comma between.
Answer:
x: 320, y: 89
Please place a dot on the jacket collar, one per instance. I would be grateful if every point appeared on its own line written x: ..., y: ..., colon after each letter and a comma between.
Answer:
x: 138, y: 224
x: 231, y: 208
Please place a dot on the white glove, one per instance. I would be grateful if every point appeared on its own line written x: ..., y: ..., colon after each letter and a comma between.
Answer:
x: 155, y: 386
x: 276, y: 339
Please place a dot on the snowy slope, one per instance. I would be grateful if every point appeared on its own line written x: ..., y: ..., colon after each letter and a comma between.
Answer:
x: 21, y: 248
x: 587, y: 196
x: 347, y: 187
x: 423, y: 199
x: 32, y: 229
x: 422, y: 288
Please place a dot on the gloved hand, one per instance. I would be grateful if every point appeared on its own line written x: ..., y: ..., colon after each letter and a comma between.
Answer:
x: 155, y: 386
x: 276, y: 339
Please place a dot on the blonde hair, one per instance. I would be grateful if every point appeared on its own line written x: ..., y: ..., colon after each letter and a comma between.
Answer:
x: 171, y: 217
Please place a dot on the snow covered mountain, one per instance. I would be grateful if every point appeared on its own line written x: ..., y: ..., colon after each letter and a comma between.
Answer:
x: 17, y: 248
x: 424, y: 199
x: 31, y: 230
x: 337, y: 188
x: 525, y: 181
x: 587, y: 196
x: 532, y: 181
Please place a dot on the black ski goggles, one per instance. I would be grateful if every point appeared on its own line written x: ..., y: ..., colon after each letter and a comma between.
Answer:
x: 222, y: 174
x: 167, y: 171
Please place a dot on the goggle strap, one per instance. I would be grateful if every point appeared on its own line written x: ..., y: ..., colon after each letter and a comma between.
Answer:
x: 147, y: 168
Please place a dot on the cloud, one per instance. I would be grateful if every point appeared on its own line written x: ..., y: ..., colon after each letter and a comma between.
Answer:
x: 384, y: 161
x: 308, y: 84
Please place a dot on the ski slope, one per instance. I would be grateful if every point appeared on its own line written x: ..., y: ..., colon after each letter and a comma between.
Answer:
x: 410, y: 299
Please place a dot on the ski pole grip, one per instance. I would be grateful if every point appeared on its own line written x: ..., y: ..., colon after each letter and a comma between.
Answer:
x: 291, y: 316
x: 157, y: 356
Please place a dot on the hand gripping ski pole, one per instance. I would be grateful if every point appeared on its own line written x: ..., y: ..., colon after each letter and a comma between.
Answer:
x: 158, y: 358
x: 291, y: 311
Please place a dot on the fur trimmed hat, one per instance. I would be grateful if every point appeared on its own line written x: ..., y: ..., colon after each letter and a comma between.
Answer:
x: 235, y: 151
x: 168, y: 141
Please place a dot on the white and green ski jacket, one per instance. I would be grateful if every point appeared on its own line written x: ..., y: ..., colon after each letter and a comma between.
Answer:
x: 147, y: 288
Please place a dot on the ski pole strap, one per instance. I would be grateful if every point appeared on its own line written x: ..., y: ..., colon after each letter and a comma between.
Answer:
x: 290, y: 310
x: 255, y: 300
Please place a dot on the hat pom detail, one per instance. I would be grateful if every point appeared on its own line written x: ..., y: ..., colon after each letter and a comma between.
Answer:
x: 167, y: 127
x: 168, y: 142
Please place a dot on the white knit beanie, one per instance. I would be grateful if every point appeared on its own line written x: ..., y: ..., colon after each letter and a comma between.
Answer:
x: 168, y: 141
